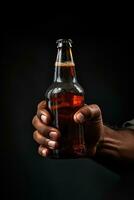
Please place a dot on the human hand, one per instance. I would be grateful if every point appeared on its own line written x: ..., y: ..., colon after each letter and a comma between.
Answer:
x: 47, y: 136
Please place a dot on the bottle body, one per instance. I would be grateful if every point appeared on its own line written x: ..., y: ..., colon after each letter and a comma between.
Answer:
x: 63, y: 100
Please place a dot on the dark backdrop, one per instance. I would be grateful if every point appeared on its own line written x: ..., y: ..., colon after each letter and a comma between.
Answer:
x: 103, y: 55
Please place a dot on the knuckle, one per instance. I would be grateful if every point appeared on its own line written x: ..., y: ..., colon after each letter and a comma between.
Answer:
x: 40, y: 150
x: 35, y: 135
x: 97, y: 108
x: 34, y: 121
x: 39, y: 125
x: 38, y: 138
x: 41, y: 104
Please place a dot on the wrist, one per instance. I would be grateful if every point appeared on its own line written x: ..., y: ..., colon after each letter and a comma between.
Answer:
x: 117, y: 143
x: 115, y: 149
x: 108, y: 143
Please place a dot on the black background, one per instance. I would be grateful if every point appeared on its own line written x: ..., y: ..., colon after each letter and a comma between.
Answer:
x: 103, y: 53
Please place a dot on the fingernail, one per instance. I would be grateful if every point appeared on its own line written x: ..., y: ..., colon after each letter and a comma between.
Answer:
x: 80, y: 117
x: 44, y: 152
x: 53, y: 135
x: 52, y: 144
x: 44, y: 119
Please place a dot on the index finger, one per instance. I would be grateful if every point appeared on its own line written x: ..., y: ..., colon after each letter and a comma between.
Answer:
x: 42, y: 112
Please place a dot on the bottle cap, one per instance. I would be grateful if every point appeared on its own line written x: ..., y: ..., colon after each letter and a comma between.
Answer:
x: 65, y: 42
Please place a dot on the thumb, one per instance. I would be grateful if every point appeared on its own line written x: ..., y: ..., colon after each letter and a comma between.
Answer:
x: 87, y: 112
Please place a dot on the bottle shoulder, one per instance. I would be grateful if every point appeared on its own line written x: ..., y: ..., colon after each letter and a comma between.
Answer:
x: 60, y: 87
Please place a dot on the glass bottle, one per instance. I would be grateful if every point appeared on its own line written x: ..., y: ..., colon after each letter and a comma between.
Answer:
x: 64, y: 97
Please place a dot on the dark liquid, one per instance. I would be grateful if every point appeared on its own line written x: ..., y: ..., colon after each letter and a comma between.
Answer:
x: 63, y: 106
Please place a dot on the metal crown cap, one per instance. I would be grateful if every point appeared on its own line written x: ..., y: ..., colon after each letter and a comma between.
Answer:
x: 64, y: 42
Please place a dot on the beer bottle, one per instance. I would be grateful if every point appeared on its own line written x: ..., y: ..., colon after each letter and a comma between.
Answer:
x: 64, y: 97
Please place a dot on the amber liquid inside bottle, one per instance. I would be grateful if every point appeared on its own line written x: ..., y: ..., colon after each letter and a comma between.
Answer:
x: 64, y: 97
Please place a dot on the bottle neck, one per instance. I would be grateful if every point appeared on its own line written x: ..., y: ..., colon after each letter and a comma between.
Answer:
x: 64, y: 66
